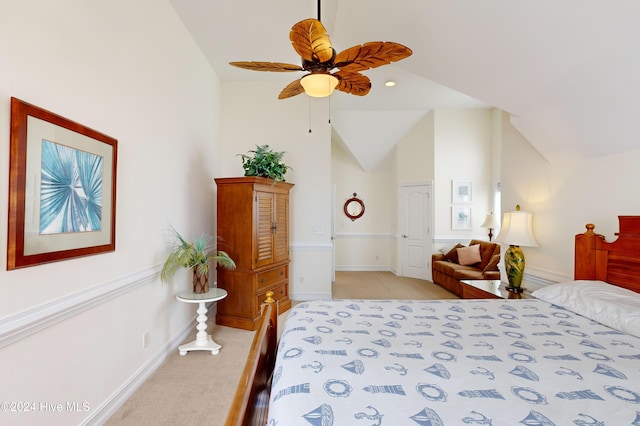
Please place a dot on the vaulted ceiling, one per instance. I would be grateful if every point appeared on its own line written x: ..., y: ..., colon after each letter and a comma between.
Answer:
x: 566, y: 70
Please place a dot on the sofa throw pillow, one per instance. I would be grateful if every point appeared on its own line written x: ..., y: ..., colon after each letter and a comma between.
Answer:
x: 469, y: 255
x: 452, y: 255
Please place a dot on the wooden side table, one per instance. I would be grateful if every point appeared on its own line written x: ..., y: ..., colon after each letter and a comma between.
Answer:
x: 489, y: 289
x: 203, y: 341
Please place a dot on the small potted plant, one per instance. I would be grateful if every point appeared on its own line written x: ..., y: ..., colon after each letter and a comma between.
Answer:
x: 264, y: 162
x: 194, y: 256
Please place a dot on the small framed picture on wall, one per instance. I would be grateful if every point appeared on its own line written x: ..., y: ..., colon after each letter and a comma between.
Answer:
x: 461, y: 191
x: 461, y: 218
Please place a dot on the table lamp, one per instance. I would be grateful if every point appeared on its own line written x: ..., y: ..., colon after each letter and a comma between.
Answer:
x: 517, y: 230
x: 491, y: 222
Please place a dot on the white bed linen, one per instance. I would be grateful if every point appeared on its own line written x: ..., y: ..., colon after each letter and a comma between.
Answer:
x: 608, y: 304
x: 452, y: 362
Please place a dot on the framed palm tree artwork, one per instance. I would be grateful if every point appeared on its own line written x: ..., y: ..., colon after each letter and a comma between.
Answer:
x: 62, y: 188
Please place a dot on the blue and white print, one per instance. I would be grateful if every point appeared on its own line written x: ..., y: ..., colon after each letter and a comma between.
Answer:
x: 452, y: 362
x: 70, y: 190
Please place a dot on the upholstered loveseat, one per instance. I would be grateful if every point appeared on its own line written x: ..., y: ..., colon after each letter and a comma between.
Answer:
x: 477, y: 261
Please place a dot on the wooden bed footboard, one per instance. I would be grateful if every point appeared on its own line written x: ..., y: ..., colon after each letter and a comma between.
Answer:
x: 251, y: 400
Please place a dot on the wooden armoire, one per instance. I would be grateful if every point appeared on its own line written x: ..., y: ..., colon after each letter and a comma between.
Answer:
x: 253, y: 228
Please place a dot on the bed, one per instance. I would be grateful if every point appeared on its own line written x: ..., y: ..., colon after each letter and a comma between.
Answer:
x: 542, y: 361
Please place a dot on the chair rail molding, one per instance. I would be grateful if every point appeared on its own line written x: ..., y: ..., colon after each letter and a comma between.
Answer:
x: 310, y: 247
x: 23, y: 324
x: 364, y: 236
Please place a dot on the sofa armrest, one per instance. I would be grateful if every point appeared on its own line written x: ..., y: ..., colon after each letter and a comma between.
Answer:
x: 437, y: 256
x: 491, y: 275
x: 493, y: 264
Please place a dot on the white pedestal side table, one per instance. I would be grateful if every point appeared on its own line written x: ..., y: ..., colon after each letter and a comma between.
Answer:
x: 203, y: 341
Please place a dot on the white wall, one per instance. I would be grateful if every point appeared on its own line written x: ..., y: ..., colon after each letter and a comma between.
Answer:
x: 415, y: 152
x: 444, y: 145
x: 362, y: 244
x: 463, y: 140
x: 564, y: 197
x: 72, y: 330
x: 252, y: 115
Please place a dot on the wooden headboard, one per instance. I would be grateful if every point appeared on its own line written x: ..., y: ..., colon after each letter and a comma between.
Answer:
x: 616, y: 262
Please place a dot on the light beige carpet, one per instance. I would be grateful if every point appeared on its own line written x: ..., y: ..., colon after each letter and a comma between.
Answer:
x: 385, y: 285
x: 197, y: 389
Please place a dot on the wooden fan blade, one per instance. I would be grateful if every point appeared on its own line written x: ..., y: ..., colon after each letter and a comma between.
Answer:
x: 371, y: 55
x: 267, y: 66
x: 311, y: 41
x: 353, y: 83
x: 294, y: 88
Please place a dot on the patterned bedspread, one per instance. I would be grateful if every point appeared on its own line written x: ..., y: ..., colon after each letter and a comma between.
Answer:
x: 452, y: 362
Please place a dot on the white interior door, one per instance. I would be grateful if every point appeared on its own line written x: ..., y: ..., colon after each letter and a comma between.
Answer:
x: 415, y: 246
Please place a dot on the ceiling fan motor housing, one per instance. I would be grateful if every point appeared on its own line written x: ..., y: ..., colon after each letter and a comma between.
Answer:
x: 316, y: 65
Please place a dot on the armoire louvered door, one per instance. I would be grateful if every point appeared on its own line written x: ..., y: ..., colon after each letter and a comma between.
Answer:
x: 281, y: 232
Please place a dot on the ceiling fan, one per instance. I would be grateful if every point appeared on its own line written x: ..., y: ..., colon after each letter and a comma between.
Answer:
x: 311, y: 41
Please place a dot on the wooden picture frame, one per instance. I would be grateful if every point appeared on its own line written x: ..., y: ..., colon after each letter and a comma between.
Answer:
x: 354, y: 207
x: 62, y: 188
x: 461, y: 191
x: 461, y: 218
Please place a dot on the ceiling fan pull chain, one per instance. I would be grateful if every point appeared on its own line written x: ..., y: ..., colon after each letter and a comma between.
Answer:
x: 309, y: 100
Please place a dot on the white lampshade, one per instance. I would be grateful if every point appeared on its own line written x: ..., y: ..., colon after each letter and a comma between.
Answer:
x: 491, y: 221
x: 517, y: 229
x: 319, y: 85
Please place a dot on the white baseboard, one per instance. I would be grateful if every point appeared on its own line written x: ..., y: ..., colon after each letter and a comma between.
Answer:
x: 545, y: 277
x: 310, y: 296
x: 124, y: 392
x: 361, y: 268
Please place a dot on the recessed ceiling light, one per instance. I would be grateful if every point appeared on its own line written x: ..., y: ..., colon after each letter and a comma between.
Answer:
x: 390, y: 83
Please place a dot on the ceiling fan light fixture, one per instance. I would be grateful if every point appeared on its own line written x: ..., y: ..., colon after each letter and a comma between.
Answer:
x: 319, y: 85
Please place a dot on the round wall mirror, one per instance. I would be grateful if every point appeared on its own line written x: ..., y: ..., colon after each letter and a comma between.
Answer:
x: 354, y: 207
